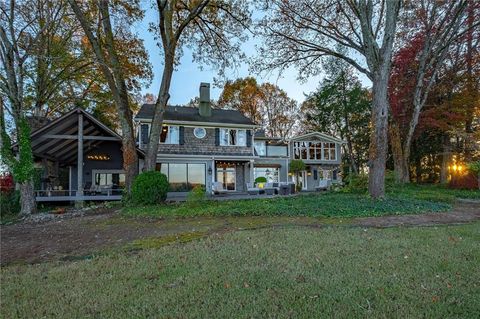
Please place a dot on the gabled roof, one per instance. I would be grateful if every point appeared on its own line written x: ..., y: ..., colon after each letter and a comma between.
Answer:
x: 190, y: 114
x: 318, y: 135
x: 57, y: 141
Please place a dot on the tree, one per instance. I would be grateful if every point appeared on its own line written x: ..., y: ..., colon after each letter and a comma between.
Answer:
x: 295, y: 167
x: 439, y: 25
x: 243, y: 95
x: 265, y: 104
x: 16, y: 45
x: 341, y: 107
x: 301, y: 33
x: 100, y: 35
x: 212, y: 29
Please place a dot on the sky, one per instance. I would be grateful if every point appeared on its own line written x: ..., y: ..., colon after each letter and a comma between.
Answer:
x: 186, y: 79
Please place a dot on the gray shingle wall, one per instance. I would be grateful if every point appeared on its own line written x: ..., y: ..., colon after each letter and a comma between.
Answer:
x: 204, y: 146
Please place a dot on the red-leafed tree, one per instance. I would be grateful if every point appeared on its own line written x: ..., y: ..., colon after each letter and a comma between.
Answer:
x: 416, y: 68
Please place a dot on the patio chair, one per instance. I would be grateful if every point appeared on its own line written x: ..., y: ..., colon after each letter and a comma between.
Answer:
x: 252, y: 190
x: 269, y: 189
x: 218, y: 189
x: 323, y: 185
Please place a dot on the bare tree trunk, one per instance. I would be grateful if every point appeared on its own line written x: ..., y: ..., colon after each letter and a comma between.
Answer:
x: 446, y: 157
x: 400, y: 163
x: 379, y: 138
x: 27, y: 199
x: 160, y: 107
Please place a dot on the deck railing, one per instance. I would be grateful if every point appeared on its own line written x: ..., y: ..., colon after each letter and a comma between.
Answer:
x: 73, y: 195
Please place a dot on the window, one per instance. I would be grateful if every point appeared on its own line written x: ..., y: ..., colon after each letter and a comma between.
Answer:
x: 270, y: 173
x: 169, y: 135
x: 110, y: 179
x: 182, y: 177
x: 329, y: 152
x: 314, y: 151
x: 260, y: 148
x: 233, y: 137
x: 199, y: 132
x: 144, y: 133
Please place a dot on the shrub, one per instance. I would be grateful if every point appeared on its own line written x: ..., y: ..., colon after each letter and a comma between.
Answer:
x: 260, y: 179
x: 466, y: 181
x: 356, y: 183
x: 9, y: 203
x: 149, y: 188
x: 196, y: 195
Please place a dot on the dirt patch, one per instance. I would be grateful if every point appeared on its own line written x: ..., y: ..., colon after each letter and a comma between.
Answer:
x: 83, y: 236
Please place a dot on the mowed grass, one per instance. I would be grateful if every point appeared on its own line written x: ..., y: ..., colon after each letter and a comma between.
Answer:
x: 290, y: 272
x: 334, y: 204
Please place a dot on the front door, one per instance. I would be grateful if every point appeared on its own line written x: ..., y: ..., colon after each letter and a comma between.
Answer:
x: 304, y: 180
x: 226, y: 176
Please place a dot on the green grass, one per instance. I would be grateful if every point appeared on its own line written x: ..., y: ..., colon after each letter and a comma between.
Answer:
x: 333, y: 204
x: 436, y: 193
x: 291, y: 272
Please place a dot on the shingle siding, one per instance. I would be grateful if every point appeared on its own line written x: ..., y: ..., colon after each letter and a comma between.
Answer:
x: 204, y: 146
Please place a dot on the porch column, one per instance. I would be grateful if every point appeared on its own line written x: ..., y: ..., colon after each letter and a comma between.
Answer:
x: 251, y: 173
x: 80, y: 160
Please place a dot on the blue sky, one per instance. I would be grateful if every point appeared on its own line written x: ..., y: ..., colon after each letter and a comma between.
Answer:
x: 186, y: 79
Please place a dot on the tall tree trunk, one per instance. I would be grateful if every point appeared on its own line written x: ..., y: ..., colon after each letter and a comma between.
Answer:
x: 400, y: 162
x: 160, y: 107
x: 27, y: 199
x: 379, y: 136
x: 446, y: 156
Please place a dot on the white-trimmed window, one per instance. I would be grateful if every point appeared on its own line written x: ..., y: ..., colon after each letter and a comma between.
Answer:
x: 325, y: 151
x: 233, y: 137
x: 170, y: 135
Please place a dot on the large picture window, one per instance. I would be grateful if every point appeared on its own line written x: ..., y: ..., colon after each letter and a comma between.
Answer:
x: 183, y: 177
x: 315, y: 151
x: 233, y: 137
x: 170, y: 135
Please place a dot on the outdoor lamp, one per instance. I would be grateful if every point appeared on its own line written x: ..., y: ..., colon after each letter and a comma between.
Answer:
x: 209, y: 171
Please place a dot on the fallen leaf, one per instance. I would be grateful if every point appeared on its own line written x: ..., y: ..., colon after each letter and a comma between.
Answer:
x: 435, y: 298
x: 226, y: 285
x: 246, y: 285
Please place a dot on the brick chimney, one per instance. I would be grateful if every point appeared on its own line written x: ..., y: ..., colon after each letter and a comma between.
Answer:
x: 204, y: 107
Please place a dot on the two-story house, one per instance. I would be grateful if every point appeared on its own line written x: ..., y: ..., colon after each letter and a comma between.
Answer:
x: 202, y: 145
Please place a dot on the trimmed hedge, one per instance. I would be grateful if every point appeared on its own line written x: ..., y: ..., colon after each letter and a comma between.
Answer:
x: 149, y: 188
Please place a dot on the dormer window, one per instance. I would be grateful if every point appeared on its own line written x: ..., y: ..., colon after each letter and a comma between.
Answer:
x: 233, y: 137
x: 170, y: 135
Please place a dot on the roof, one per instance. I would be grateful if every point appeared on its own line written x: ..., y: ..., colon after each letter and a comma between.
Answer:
x: 57, y: 141
x: 318, y: 135
x: 190, y: 114
x: 260, y: 135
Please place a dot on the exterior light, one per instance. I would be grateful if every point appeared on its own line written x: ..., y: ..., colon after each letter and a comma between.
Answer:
x: 209, y: 171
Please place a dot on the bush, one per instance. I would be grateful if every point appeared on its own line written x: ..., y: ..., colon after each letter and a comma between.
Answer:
x: 356, y: 183
x: 149, y: 188
x: 9, y: 203
x: 196, y: 195
x: 260, y: 179
x: 467, y: 181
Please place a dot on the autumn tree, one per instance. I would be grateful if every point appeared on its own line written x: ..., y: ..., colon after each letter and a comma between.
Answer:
x: 212, y: 29
x: 96, y: 20
x: 437, y: 25
x: 301, y: 33
x: 341, y: 107
x: 265, y: 104
x: 243, y: 95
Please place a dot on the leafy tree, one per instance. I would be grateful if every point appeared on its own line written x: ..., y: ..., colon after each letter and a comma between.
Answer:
x: 438, y: 25
x: 301, y: 33
x: 212, y: 29
x: 341, y: 107
x: 265, y: 104
x: 295, y: 167
x: 96, y: 21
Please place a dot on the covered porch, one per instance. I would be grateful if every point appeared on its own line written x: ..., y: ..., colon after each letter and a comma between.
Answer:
x: 78, y: 159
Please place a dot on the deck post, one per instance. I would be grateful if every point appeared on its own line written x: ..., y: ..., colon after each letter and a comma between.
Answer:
x: 79, y: 203
x: 252, y: 181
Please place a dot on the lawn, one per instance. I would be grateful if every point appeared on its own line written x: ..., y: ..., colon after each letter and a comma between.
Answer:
x: 283, y: 272
x: 400, y: 200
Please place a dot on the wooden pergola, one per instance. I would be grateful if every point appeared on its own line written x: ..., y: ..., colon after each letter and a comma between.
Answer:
x: 66, y: 140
